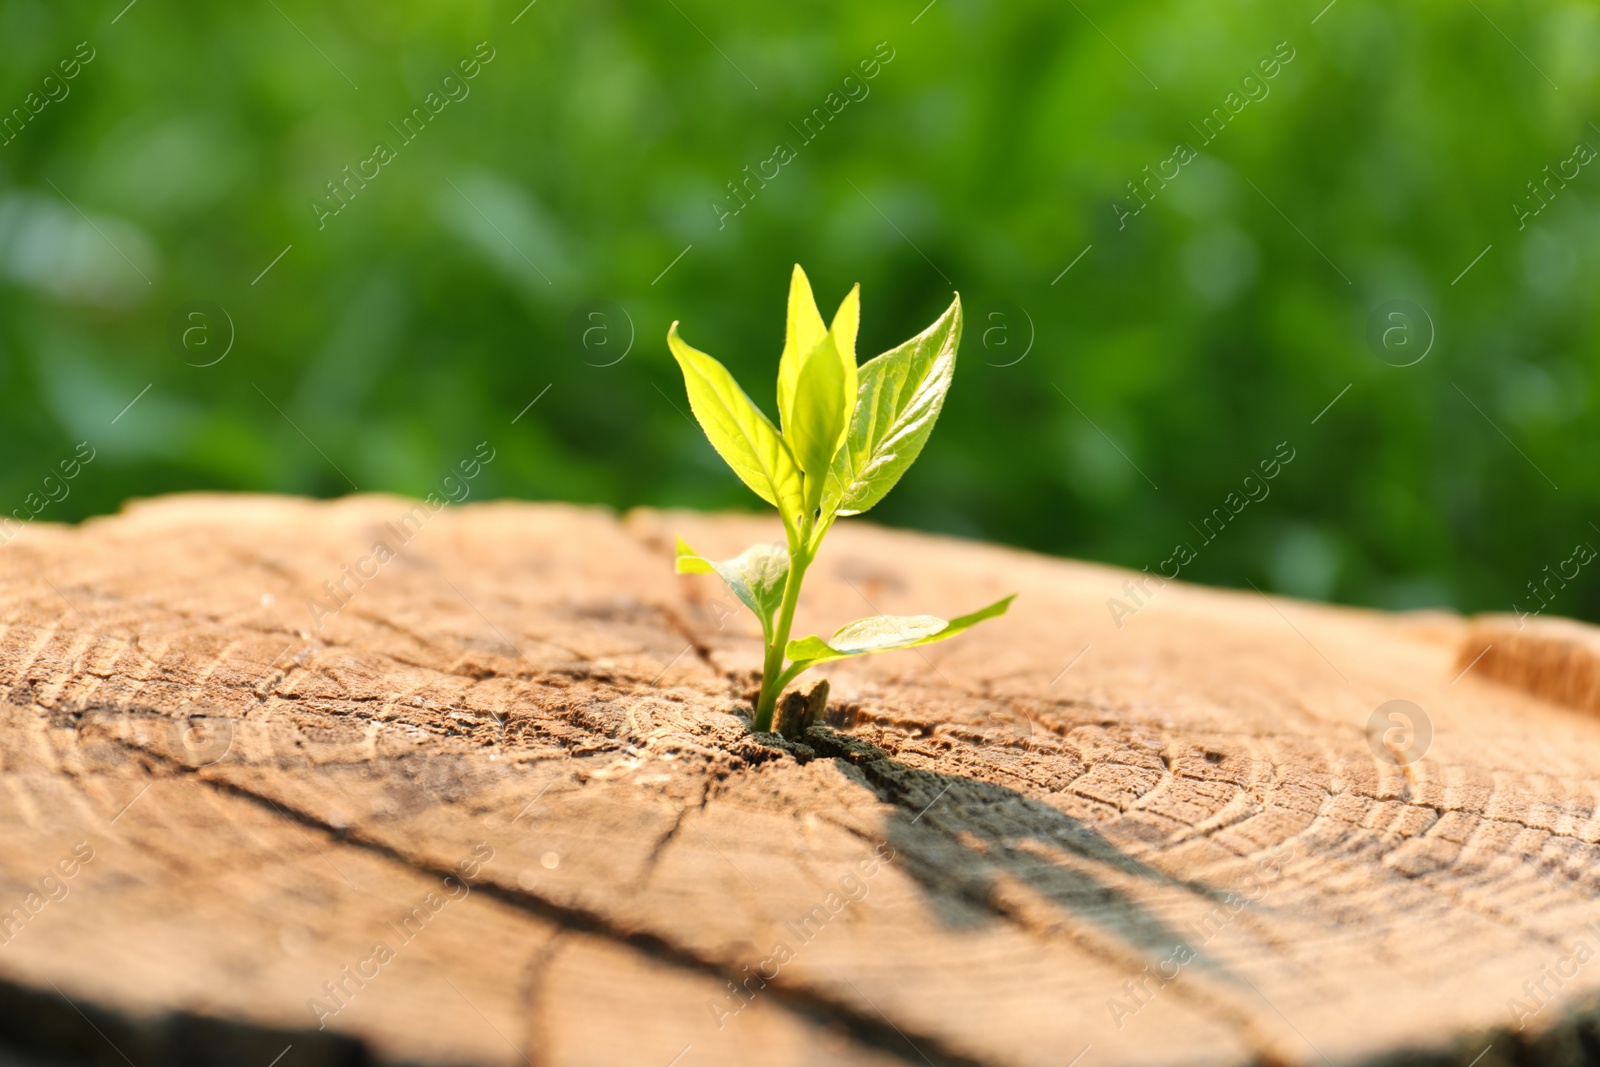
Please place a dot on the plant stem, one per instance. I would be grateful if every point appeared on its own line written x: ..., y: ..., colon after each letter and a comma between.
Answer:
x: 772, y: 673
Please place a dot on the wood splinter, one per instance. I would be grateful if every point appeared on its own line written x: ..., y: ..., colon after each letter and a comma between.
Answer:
x: 798, y: 712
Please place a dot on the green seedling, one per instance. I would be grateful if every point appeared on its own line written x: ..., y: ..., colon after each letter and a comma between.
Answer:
x: 848, y: 434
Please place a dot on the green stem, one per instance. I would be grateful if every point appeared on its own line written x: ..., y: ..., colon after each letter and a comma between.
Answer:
x: 773, y: 676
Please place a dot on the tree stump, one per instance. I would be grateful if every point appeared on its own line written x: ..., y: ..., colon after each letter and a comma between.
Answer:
x: 293, y: 782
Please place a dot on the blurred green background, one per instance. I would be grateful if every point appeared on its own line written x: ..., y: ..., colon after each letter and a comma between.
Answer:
x: 1100, y: 413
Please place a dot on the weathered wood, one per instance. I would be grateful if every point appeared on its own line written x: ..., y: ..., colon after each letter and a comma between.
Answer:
x: 517, y: 758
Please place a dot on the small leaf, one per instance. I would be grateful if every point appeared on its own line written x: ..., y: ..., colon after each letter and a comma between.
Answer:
x: 743, y: 436
x: 843, y: 331
x: 820, y: 416
x: 897, y: 403
x: 886, y: 633
x: 756, y: 575
x: 846, y: 321
x: 691, y: 562
x: 801, y: 334
x: 883, y: 632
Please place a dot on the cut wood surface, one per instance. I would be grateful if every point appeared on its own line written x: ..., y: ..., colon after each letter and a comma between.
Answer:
x: 494, y: 800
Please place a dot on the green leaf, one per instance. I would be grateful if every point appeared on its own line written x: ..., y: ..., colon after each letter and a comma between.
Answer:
x: 897, y: 403
x: 843, y: 331
x: 691, y: 562
x: 801, y: 334
x: 886, y: 633
x: 845, y: 323
x: 820, y: 416
x: 744, y: 437
x: 756, y: 575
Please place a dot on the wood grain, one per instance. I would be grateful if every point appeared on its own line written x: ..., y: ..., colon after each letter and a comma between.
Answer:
x: 496, y: 802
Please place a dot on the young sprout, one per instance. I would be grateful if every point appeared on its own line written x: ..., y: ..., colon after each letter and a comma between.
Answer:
x: 848, y: 434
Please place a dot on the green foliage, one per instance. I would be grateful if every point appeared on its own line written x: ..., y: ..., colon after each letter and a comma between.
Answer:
x: 901, y: 395
x: 846, y: 440
x: 820, y: 413
x: 886, y: 633
x: 756, y: 576
x: 743, y: 436
x: 605, y: 139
